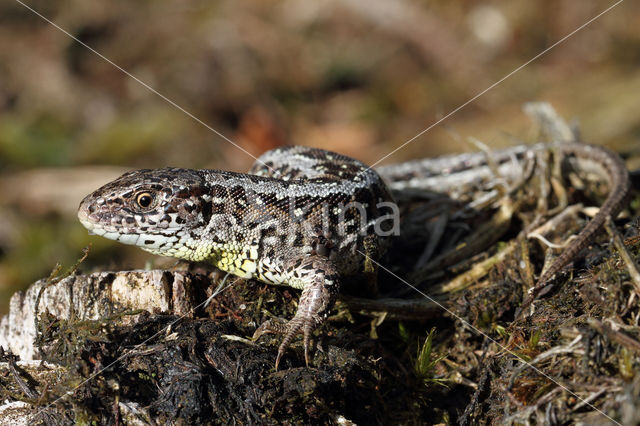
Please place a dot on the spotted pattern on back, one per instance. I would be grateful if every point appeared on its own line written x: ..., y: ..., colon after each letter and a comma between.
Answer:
x: 295, y: 201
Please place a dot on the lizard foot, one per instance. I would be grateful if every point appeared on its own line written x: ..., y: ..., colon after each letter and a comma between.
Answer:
x: 320, y: 283
x: 299, y: 324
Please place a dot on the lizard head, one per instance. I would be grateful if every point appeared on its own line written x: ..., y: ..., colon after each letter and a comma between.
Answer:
x: 152, y: 209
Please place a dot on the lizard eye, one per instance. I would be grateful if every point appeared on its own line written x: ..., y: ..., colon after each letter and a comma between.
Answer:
x: 144, y: 199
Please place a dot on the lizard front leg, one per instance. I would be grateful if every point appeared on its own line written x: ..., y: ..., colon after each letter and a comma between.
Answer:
x: 320, y: 283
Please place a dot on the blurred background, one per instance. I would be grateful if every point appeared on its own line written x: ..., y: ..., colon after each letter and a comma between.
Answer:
x: 357, y: 76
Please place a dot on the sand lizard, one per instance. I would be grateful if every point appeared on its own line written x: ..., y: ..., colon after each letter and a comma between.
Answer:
x: 304, y: 217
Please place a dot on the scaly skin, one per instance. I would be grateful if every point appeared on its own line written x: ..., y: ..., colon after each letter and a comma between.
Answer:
x: 294, y: 225
x: 289, y: 221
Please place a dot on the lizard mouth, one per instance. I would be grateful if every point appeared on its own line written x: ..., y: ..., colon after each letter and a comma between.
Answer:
x: 83, y: 216
x: 102, y: 224
x: 112, y: 234
x: 88, y: 220
x: 92, y: 226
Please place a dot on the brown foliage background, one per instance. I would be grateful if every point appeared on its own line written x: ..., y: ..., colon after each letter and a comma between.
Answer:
x: 355, y: 76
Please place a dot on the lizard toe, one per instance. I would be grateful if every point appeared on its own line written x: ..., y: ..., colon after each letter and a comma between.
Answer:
x: 289, y: 330
x: 270, y: 327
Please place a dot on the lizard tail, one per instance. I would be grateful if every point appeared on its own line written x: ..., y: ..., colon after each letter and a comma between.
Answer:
x: 619, y: 190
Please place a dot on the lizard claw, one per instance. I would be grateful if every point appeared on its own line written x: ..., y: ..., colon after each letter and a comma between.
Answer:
x: 321, y: 283
x: 289, y: 330
x: 269, y: 326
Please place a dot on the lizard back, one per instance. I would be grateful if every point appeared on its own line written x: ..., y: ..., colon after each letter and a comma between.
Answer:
x: 295, y: 201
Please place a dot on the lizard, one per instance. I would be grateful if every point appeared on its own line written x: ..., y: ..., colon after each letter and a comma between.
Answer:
x: 308, y: 218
